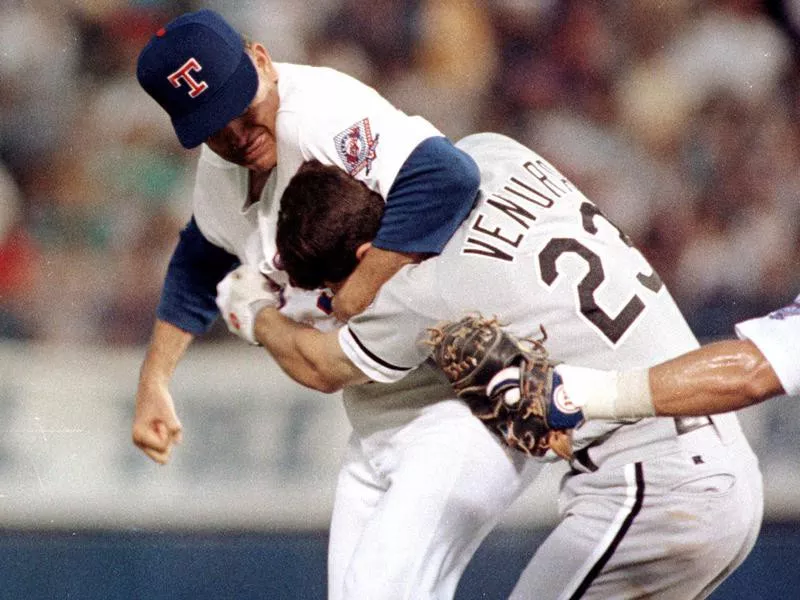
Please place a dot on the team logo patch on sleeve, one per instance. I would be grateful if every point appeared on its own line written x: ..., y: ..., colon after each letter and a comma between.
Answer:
x: 356, y: 147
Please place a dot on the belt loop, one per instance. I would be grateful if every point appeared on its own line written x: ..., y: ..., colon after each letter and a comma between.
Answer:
x: 728, y: 428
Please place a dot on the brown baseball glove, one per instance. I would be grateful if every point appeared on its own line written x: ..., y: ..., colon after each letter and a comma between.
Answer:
x: 471, y: 352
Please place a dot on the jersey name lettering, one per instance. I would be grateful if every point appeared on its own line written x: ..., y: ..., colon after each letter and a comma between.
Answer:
x: 519, y: 200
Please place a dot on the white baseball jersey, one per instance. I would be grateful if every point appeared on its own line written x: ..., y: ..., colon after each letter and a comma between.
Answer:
x: 324, y: 115
x: 777, y: 335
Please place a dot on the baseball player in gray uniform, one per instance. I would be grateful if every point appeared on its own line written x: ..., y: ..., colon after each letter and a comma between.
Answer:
x: 655, y: 507
x: 256, y: 122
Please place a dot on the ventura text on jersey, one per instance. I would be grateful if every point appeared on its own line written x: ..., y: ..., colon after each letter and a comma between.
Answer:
x: 518, y: 201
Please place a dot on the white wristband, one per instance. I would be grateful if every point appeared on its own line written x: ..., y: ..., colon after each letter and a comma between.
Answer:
x: 608, y: 394
x: 634, y: 398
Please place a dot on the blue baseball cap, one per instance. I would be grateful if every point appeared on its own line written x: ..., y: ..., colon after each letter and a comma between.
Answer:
x: 196, y: 68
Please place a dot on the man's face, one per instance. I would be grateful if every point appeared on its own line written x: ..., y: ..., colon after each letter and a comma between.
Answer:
x: 249, y: 140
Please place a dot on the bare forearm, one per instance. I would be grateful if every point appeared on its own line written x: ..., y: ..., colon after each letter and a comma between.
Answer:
x: 311, y: 357
x: 156, y: 427
x: 167, y: 347
x: 360, y: 289
x: 718, y: 377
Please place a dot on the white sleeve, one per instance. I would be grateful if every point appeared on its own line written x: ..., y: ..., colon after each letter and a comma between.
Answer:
x: 354, y: 128
x: 370, y: 364
x: 777, y: 336
x: 388, y: 340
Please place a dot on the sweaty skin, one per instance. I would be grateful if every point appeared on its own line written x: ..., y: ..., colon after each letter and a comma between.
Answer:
x: 716, y: 378
x: 311, y: 357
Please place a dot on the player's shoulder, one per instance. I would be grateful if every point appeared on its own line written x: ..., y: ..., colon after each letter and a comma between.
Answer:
x: 491, y: 147
x: 316, y: 100
x: 416, y: 289
x: 297, y: 82
x: 485, y: 140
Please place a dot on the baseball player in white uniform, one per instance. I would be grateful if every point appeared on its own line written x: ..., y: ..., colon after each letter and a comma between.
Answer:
x: 776, y: 336
x: 410, y: 531
x: 656, y: 507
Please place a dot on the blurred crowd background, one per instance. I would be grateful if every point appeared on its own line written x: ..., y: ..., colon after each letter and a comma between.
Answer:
x: 680, y: 118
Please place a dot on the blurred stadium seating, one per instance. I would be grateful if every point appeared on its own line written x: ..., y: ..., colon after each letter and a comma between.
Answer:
x: 681, y: 119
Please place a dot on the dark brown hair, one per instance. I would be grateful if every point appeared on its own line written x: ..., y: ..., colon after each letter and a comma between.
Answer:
x: 325, y: 215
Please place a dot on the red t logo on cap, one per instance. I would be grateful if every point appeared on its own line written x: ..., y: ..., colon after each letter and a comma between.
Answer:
x: 184, y: 73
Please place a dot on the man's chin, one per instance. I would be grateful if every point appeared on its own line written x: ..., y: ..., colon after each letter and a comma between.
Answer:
x: 263, y: 165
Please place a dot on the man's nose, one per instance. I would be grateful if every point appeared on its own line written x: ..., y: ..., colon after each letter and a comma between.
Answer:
x: 236, y: 134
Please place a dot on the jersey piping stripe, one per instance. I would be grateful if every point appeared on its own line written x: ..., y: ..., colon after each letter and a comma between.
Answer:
x: 637, y: 491
x: 374, y: 357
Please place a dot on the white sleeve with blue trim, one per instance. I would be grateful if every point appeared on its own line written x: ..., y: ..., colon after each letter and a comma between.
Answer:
x: 777, y: 335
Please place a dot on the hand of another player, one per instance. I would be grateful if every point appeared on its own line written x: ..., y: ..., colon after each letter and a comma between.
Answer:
x: 240, y: 297
x: 156, y: 428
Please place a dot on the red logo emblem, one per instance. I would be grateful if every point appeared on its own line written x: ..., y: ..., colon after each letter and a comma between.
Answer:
x: 356, y: 147
x: 185, y: 74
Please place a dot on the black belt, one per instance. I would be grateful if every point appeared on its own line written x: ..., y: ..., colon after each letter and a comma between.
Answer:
x: 684, y: 425
x: 582, y: 463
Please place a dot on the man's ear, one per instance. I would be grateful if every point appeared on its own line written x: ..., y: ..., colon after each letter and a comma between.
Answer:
x: 362, y: 250
x: 262, y: 59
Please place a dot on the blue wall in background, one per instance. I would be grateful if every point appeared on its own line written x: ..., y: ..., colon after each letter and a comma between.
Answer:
x: 258, y: 566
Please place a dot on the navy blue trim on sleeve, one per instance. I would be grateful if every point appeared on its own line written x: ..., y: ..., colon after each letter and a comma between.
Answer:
x: 374, y: 356
x: 433, y: 193
x: 188, y: 299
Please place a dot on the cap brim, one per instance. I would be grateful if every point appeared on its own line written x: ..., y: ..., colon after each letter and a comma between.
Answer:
x: 220, y: 109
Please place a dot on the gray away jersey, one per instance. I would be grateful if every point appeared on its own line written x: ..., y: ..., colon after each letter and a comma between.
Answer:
x: 536, y: 253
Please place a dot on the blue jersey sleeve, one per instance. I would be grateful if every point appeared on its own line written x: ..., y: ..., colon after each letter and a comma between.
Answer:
x: 433, y: 193
x: 188, y: 299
